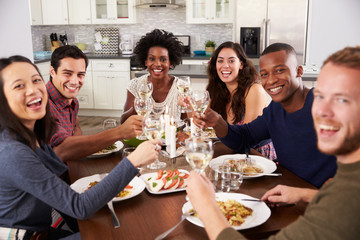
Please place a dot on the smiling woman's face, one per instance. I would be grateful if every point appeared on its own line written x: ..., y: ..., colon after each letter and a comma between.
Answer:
x: 25, y: 92
x: 158, y: 62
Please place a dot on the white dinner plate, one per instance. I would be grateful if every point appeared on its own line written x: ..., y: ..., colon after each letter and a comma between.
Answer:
x: 82, y: 184
x: 265, y: 164
x: 119, y: 145
x: 261, y: 212
x: 146, y: 176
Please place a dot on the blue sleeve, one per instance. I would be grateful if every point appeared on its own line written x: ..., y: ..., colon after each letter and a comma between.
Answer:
x: 246, y: 135
x: 25, y: 171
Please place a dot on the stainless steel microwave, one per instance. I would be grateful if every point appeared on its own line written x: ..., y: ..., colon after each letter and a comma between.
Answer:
x: 185, y: 39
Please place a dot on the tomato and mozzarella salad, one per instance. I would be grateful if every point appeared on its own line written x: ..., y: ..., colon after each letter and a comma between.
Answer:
x: 167, y: 180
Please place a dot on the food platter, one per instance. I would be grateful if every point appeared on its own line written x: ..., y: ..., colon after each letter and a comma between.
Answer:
x: 261, y: 212
x: 147, y: 176
x: 265, y: 164
x: 82, y: 184
x: 118, y: 146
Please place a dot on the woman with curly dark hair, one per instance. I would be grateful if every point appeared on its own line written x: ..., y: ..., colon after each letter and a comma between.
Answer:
x: 235, y: 89
x: 158, y: 51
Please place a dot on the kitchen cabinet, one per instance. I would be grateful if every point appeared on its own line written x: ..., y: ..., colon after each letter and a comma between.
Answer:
x: 110, y: 79
x: 35, y: 12
x: 44, y: 69
x: 209, y: 11
x: 86, y: 94
x: 113, y: 11
x: 79, y: 11
x: 54, y: 12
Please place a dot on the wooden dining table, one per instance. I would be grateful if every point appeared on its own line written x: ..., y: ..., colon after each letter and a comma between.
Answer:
x: 147, y: 215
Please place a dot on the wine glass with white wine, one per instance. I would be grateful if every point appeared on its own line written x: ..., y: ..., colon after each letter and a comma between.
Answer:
x: 198, y: 152
x: 154, y: 128
x: 183, y: 86
x: 143, y: 107
x: 199, y: 100
x: 144, y: 89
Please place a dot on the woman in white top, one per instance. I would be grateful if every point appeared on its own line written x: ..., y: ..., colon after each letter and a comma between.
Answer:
x: 158, y: 51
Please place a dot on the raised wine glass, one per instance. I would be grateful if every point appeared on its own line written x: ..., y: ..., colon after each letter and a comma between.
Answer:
x: 198, y: 151
x: 199, y: 100
x: 144, y: 89
x: 143, y: 107
x: 154, y: 127
x: 183, y: 86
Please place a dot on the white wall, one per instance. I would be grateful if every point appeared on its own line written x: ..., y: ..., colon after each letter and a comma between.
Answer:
x: 15, y: 30
x: 334, y: 24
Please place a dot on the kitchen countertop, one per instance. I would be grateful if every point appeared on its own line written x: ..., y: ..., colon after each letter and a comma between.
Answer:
x: 121, y: 56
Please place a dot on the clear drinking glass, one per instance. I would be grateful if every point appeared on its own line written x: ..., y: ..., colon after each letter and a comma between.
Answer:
x: 236, y: 173
x: 109, y: 124
x: 198, y: 152
x: 154, y: 128
x: 183, y: 86
x: 143, y: 107
x: 199, y: 100
x: 144, y: 89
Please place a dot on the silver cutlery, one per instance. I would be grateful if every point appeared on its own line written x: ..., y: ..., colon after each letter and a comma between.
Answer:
x: 114, y: 217
x: 251, y: 200
x: 164, y: 234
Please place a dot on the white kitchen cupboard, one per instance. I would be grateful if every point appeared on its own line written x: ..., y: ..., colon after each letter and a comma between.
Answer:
x: 112, y: 11
x: 79, y: 11
x: 209, y: 11
x: 86, y: 94
x: 54, y: 12
x: 110, y: 79
x: 44, y: 69
x: 35, y: 12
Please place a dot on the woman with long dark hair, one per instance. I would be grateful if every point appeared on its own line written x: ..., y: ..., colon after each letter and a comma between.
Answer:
x: 30, y: 171
x: 235, y: 89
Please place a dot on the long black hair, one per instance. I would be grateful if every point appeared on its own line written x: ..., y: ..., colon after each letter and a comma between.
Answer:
x: 44, y: 128
x: 219, y: 94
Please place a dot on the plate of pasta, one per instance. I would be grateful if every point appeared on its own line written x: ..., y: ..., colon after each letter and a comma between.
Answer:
x: 260, y: 166
x: 115, y: 147
x: 134, y: 188
x: 240, y: 214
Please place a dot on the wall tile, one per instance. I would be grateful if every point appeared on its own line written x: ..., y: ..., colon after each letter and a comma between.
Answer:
x: 147, y: 20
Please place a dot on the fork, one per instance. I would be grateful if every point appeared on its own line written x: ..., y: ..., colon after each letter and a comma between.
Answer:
x: 164, y: 234
x: 114, y: 217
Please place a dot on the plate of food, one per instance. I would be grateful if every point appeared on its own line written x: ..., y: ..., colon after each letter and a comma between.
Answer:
x: 259, y: 167
x: 115, y: 147
x: 240, y: 214
x: 134, y: 188
x: 166, y: 181
x: 209, y: 133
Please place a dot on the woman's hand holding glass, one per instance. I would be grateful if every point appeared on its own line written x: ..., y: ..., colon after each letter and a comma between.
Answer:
x: 198, y: 151
x: 154, y: 128
x: 199, y: 100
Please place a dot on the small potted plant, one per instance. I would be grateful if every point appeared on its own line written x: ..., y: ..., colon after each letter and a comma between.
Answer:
x: 209, y: 47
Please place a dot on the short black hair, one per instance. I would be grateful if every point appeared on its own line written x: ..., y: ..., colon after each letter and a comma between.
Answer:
x: 43, y: 129
x: 276, y: 47
x: 160, y: 38
x: 64, y: 52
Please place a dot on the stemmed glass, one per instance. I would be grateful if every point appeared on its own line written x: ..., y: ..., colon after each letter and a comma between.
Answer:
x: 154, y: 127
x: 198, y: 151
x: 183, y: 86
x: 144, y: 89
x: 199, y: 100
x: 143, y: 107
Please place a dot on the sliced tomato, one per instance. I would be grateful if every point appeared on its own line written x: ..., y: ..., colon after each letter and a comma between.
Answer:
x: 129, y: 187
x: 174, y: 181
x: 160, y: 174
x: 170, y: 173
x: 165, y: 179
x: 185, y: 176
x: 181, y: 182
x: 176, y: 171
